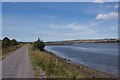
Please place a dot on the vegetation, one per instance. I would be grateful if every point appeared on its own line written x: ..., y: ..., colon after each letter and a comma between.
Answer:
x: 9, y: 46
x: 7, y: 42
x: 13, y: 42
x: 47, y: 64
x: 39, y: 44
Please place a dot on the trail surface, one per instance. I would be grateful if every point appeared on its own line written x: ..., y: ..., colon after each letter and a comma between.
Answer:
x: 18, y: 64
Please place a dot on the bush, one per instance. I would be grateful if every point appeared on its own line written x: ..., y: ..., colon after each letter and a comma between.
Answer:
x: 39, y: 44
x: 6, y: 42
x: 13, y: 42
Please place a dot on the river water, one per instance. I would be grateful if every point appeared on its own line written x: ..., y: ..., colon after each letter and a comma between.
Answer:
x: 99, y: 56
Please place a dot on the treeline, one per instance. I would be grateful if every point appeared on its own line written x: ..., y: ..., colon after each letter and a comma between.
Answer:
x: 6, y: 42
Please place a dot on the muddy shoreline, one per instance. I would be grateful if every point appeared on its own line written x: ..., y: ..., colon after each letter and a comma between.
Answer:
x: 86, y: 71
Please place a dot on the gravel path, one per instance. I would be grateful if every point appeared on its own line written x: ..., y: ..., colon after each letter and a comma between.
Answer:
x: 18, y: 64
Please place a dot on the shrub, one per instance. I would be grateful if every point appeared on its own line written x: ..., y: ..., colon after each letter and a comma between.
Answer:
x: 39, y: 44
x: 13, y: 42
x: 6, y: 42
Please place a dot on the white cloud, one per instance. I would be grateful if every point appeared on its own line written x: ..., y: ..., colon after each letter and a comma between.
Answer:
x: 77, y: 28
x: 115, y: 6
x: 101, y: 17
x: 112, y: 6
x: 99, y: 1
x: 71, y: 26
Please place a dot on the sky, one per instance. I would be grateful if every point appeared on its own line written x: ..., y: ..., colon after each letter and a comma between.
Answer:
x: 56, y: 21
x: 60, y: 0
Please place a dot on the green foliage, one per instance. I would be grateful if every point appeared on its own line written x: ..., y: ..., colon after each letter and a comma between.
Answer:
x: 52, y: 66
x: 6, y: 39
x: 7, y: 42
x: 39, y: 44
x: 13, y: 42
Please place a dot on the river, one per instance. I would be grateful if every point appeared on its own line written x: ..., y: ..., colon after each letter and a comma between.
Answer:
x: 99, y: 56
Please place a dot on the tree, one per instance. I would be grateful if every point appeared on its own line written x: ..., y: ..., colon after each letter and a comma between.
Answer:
x: 6, y: 42
x: 39, y: 44
x: 13, y: 42
x: 6, y: 39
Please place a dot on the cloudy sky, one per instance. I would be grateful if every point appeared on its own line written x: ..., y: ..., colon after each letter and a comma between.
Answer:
x: 55, y: 21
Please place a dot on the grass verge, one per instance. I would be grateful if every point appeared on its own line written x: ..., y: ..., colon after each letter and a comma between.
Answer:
x: 50, y: 66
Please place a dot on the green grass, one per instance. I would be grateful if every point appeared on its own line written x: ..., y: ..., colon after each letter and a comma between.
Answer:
x: 52, y: 67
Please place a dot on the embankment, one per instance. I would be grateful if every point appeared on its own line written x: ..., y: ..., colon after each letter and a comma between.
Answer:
x: 49, y: 65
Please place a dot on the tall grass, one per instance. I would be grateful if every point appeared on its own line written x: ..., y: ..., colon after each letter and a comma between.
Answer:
x: 8, y: 49
x: 51, y: 65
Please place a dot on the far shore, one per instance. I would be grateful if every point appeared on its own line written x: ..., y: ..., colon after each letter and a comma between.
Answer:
x: 89, y: 72
x: 67, y: 42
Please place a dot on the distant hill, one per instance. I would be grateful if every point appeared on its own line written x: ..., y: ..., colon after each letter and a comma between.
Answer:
x: 83, y: 41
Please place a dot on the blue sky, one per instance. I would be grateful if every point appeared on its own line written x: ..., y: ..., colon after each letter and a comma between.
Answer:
x: 55, y: 21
